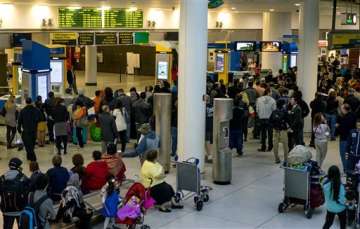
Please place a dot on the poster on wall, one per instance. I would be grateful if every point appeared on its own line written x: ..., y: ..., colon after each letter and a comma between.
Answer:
x: 219, y: 62
x: 270, y: 46
x: 163, y: 70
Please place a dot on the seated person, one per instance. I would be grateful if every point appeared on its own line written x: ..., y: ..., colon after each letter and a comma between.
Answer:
x: 116, y: 166
x: 35, y: 173
x: 79, y: 169
x: 148, y: 141
x: 58, y: 178
x: 46, y: 210
x: 96, y: 173
x: 72, y: 207
x: 153, y: 177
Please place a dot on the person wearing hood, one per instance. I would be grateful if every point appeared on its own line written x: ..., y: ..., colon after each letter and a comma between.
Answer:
x: 265, y: 105
x: 148, y: 141
x: 15, y: 185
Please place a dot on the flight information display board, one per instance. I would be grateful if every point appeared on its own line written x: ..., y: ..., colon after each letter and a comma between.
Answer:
x: 80, y: 18
x: 122, y: 18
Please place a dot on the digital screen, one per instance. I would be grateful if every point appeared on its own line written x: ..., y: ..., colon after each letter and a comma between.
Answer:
x: 42, y: 86
x: 92, y: 18
x: 293, y: 61
x: 270, y: 46
x: 245, y: 46
x: 57, y: 71
x: 163, y: 70
x: 219, y: 62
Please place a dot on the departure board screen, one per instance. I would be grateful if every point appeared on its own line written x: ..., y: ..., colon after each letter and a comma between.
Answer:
x: 121, y: 18
x: 80, y: 18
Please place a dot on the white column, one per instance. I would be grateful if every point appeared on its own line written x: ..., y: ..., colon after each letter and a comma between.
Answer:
x: 275, y: 25
x: 308, y: 52
x: 192, y: 79
x: 90, y: 65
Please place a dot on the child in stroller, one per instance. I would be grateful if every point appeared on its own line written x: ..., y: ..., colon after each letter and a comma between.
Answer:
x: 135, y: 204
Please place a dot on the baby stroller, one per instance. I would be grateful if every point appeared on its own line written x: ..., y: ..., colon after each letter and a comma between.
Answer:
x: 135, y: 203
x: 352, y: 188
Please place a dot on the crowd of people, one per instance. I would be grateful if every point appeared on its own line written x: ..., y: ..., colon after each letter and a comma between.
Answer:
x: 272, y: 106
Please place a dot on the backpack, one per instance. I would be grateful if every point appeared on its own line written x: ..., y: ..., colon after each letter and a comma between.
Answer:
x: 110, y: 205
x: 355, y: 143
x: 278, y: 120
x: 29, y: 217
x: 13, y: 194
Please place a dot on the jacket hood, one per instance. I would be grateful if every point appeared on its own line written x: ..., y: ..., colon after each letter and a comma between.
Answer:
x: 11, y: 174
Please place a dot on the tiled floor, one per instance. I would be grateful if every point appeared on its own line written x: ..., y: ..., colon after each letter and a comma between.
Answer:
x: 250, y: 201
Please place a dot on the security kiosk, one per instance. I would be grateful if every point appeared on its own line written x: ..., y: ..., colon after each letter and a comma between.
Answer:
x: 222, y: 155
x: 36, y: 70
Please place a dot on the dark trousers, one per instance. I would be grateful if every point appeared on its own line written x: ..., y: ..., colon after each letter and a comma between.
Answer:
x: 236, y: 140
x: 123, y: 139
x: 29, y: 140
x: 245, y: 127
x: 50, y: 126
x: 79, y: 136
x: 61, y: 139
x: 9, y: 221
x: 257, y: 127
x: 266, y: 132
x: 10, y: 134
x: 330, y: 219
x: 295, y: 138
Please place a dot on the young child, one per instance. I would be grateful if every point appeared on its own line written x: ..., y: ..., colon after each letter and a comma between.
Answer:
x: 322, y: 132
x: 111, y: 199
x: 334, y: 192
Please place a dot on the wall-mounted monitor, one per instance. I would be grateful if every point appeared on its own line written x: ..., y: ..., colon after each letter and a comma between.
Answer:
x: 270, y: 46
x: 245, y: 46
x: 162, y: 70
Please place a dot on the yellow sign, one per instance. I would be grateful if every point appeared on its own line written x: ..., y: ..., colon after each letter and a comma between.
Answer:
x: 344, y: 40
x: 64, y: 38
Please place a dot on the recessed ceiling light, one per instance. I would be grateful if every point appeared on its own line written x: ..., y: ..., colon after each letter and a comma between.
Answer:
x: 233, y: 8
x: 272, y: 10
x: 297, y: 4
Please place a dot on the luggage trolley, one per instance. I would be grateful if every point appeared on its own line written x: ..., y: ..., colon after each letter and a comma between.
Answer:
x: 188, y: 178
x: 297, y: 184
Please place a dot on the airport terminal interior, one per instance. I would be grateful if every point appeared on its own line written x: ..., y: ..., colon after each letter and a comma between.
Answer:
x: 225, y: 113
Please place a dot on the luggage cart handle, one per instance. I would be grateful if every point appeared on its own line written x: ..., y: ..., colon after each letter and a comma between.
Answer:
x: 193, y: 160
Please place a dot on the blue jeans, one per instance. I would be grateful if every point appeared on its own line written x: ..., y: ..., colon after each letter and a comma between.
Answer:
x: 343, y: 148
x: 236, y: 140
x: 173, y: 141
x: 331, y: 120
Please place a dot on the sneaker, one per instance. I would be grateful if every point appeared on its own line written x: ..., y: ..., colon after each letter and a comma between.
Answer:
x: 277, y: 161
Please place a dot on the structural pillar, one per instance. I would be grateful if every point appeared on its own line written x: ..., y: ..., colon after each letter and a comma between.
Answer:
x: 275, y: 25
x: 90, y: 65
x: 192, y: 79
x: 308, y: 52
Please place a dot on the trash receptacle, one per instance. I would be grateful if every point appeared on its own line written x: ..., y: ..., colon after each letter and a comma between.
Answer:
x: 222, y: 154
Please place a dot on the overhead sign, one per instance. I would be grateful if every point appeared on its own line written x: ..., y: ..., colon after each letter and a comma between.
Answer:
x: 63, y: 38
x: 86, y: 39
x: 107, y: 38
x: 80, y: 18
x: 215, y: 3
x: 126, y: 38
x: 141, y: 37
x: 341, y: 40
x: 123, y: 18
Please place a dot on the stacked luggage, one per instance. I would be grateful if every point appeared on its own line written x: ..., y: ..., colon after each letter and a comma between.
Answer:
x: 302, y: 182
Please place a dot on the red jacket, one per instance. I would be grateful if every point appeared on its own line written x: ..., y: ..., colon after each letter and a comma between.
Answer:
x: 96, y: 176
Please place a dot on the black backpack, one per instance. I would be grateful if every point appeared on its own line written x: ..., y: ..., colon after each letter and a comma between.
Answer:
x: 13, y: 194
x: 278, y: 120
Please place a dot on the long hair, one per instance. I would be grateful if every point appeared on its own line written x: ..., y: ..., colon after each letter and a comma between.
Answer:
x: 335, y: 179
x: 318, y: 119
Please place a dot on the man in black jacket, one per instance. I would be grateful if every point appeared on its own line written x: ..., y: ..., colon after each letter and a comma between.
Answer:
x: 49, y: 106
x: 27, y: 126
x: 296, y: 123
x: 109, y: 131
x: 304, y: 113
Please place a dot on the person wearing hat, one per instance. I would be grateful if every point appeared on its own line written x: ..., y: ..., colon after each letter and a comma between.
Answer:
x: 15, y: 185
x: 148, y: 141
x: 28, y: 120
